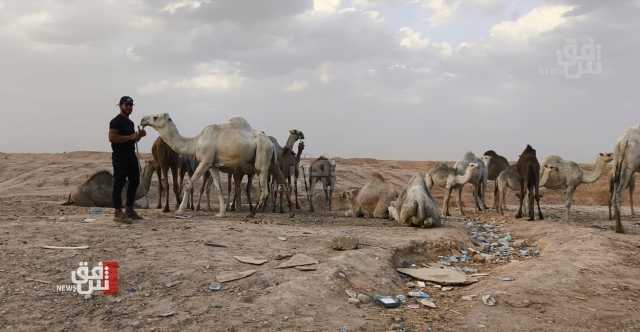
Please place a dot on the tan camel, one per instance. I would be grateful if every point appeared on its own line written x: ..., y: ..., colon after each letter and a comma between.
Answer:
x: 627, y: 162
x: 495, y: 164
x: 96, y: 191
x: 567, y: 175
x: 508, y: 179
x: 479, y: 179
x: 227, y: 147
x: 446, y: 177
x: 416, y: 206
x: 166, y: 159
x: 372, y: 200
x: 322, y: 170
x: 631, y: 187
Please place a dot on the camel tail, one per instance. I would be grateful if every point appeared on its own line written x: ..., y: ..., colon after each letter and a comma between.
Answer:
x: 69, y: 201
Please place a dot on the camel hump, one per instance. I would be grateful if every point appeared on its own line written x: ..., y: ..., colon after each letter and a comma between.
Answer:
x: 239, y: 122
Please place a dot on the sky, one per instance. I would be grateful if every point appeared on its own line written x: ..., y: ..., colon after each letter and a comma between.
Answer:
x: 394, y: 79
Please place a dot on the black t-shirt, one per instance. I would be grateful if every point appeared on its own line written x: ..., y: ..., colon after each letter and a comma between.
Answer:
x: 123, y: 126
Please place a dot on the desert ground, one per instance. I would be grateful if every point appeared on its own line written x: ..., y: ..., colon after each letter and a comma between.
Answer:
x: 585, y: 277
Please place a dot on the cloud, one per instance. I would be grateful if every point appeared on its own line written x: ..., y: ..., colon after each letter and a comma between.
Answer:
x: 536, y: 22
x: 326, y: 6
x: 412, y: 39
x: 296, y: 86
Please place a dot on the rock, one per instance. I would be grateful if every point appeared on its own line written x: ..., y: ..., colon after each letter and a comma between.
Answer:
x: 364, y: 298
x: 438, y: 275
x: 250, y: 260
x: 446, y: 289
x: 307, y: 268
x: 282, y: 238
x: 507, y: 278
x: 353, y: 301
x: 167, y: 314
x: 230, y: 276
x: 468, y: 297
x: 421, y: 284
x: 427, y: 303
x: 215, y: 287
x: 520, y: 243
x: 344, y: 243
x: 282, y: 256
x: 351, y: 293
x: 489, y: 300
x: 297, y: 260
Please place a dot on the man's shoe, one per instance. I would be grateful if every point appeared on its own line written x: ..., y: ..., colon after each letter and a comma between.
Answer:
x: 131, y: 213
x: 121, y: 217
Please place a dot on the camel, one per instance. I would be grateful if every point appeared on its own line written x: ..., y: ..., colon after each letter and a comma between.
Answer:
x: 627, y: 162
x: 558, y: 173
x: 507, y: 179
x: 631, y: 187
x: 479, y: 179
x: 288, y: 163
x: 528, y: 169
x: 495, y: 164
x: 226, y: 147
x: 166, y: 159
x: 96, y: 191
x: 446, y: 177
x: 416, y: 206
x: 372, y: 200
x: 322, y: 170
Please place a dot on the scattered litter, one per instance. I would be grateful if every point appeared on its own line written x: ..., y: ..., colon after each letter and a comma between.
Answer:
x: 401, y: 298
x: 387, y: 301
x: 364, y: 298
x: 230, y: 276
x: 182, y: 216
x: 421, y: 284
x: 468, y: 297
x: 89, y: 220
x: 215, y: 287
x: 507, y: 278
x: 427, y: 303
x: 344, y: 243
x: 443, y: 276
x: 65, y: 248
x: 418, y: 294
x: 479, y: 275
x: 297, y: 260
x: 250, y: 260
x: 351, y: 293
x: 167, y: 314
x: 413, y: 306
x: 282, y: 238
x: 446, y: 289
x: 218, y: 245
x: 580, y: 298
x: 96, y: 210
x: 489, y: 300
x: 523, y: 253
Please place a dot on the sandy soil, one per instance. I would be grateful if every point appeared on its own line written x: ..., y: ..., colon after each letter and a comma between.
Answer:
x: 586, y: 277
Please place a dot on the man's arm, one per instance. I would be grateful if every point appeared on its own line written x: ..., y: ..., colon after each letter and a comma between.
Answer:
x: 116, y: 138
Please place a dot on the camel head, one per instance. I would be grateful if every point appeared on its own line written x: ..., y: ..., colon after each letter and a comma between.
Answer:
x: 297, y: 133
x: 156, y: 121
x: 605, y: 157
x: 486, y: 158
x: 490, y: 153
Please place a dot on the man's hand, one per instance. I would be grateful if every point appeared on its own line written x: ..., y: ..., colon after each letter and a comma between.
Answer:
x: 141, y: 133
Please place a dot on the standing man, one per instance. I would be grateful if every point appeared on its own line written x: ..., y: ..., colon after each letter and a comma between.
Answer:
x: 123, y: 138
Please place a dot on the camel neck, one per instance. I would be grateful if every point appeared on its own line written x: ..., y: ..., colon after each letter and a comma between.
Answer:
x: 178, y: 143
x: 596, y: 173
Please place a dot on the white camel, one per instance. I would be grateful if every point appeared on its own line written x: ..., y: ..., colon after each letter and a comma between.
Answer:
x: 558, y: 173
x: 226, y: 147
x: 627, y: 162
x: 416, y: 206
x: 479, y: 179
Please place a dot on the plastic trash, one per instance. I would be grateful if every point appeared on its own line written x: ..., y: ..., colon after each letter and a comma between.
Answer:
x: 418, y: 294
x: 215, y: 287
x: 387, y: 301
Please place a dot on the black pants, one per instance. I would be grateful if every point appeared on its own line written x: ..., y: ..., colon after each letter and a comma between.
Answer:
x: 125, y: 168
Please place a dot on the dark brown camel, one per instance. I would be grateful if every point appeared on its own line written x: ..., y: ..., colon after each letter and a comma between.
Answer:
x: 288, y: 163
x: 528, y: 169
x: 322, y: 170
x: 495, y: 165
x: 166, y: 159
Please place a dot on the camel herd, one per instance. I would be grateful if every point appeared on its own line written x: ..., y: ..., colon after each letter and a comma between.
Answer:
x: 237, y: 149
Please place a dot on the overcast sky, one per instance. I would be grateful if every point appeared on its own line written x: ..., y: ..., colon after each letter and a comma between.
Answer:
x: 395, y: 79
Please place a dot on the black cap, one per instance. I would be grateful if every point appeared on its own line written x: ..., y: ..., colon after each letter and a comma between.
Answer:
x: 125, y: 100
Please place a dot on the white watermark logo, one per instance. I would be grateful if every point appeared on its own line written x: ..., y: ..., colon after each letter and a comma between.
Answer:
x: 86, y: 281
x: 576, y: 59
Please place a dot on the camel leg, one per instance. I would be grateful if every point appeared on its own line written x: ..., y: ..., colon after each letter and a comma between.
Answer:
x: 215, y: 176
x: 632, y: 187
x: 611, y: 184
x: 289, y: 191
x: 237, y: 195
x: 477, y: 189
x: 249, y: 180
x: 159, y: 172
x: 326, y: 193
x: 295, y: 190
x: 531, y: 206
x: 176, y: 188
x: 311, y: 185
x: 537, y: 197
x: 273, y: 189
x: 495, y: 195
x: 202, y: 188
x: 625, y: 179
x: 231, y: 202
x: 200, y: 171
x: 568, y: 202
x: 482, y: 191
x: 521, y: 198
x: 165, y: 184
x: 460, y: 206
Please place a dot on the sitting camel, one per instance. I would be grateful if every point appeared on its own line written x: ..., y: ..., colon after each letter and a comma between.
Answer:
x: 416, y: 206
x: 528, y: 169
x: 495, y: 164
x: 166, y: 159
x: 96, y: 191
x: 322, y: 170
x: 445, y: 176
x: 220, y: 147
x: 631, y: 186
x: 479, y: 179
x: 558, y: 173
x: 373, y: 199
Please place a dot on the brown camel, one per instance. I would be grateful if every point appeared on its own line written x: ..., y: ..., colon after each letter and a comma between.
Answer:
x: 528, y: 169
x: 166, y: 159
x: 322, y: 170
x: 495, y: 165
x: 288, y: 163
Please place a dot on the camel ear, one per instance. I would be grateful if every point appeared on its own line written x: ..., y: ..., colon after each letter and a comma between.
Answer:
x: 601, y: 154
